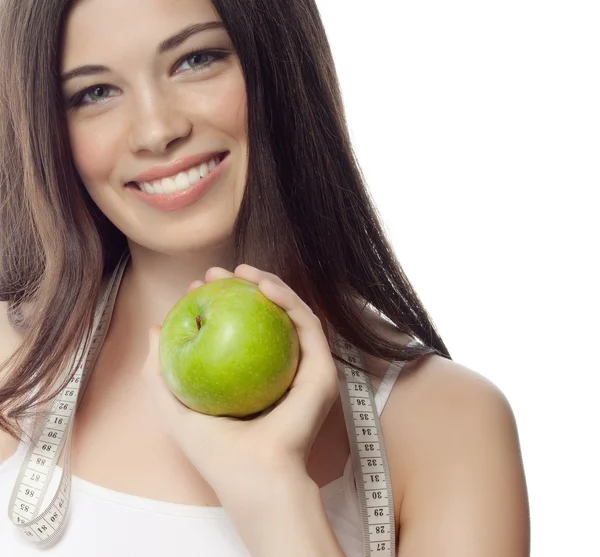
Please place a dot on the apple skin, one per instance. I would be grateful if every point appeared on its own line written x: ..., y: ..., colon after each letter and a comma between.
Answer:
x: 242, y: 359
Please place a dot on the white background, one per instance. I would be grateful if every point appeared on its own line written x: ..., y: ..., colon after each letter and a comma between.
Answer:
x: 477, y: 125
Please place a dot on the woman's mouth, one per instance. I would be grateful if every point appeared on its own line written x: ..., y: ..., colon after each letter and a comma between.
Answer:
x: 182, y: 180
x: 182, y: 189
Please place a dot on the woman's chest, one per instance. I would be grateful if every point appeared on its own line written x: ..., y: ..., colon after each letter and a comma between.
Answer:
x: 119, y: 442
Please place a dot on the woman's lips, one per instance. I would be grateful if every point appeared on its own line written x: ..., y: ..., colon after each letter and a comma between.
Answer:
x: 183, y: 198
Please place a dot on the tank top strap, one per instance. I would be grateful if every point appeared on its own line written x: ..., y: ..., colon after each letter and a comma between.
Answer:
x: 381, y: 397
x: 387, y: 383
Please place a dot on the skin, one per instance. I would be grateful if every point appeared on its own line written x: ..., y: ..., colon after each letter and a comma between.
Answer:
x: 154, y: 111
x: 457, y: 475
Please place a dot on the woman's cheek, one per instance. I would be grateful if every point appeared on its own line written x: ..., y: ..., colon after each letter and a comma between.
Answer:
x: 95, y: 153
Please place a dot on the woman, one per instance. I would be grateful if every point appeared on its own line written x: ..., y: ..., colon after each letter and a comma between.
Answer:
x: 107, y: 106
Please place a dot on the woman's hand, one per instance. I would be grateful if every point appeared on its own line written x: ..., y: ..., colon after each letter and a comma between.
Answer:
x: 239, y: 458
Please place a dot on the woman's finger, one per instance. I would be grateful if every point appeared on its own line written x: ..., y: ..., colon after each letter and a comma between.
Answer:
x: 194, y: 285
x: 310, y: 332
x: 255, y: 275
x: 216, y: 273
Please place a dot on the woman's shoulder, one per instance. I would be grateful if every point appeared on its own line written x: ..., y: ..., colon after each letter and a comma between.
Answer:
x: 436, y: 399
x: 10, y: 340
x: 433, y: 395
x: 434, y: 390
x: 454, y: 455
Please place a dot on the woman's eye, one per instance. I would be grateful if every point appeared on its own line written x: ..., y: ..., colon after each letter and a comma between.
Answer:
x: 199, y: 60
x: 93, y: 95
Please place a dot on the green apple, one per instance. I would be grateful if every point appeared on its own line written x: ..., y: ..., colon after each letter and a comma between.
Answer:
x: 227, y: 350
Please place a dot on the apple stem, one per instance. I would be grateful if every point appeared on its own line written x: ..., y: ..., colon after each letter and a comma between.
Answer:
x: 198, y: 321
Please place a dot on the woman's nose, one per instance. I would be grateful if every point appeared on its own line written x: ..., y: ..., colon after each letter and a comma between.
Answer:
x: 156, y: 123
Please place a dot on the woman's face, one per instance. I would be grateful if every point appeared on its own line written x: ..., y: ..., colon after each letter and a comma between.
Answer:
x: 153, y: 100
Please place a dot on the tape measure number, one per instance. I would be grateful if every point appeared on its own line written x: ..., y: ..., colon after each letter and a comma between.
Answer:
x: 371, y: 470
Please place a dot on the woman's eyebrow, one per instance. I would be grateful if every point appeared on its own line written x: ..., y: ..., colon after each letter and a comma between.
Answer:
x: 166, y: 45
x: 184, y: 34
x: 83, y: 71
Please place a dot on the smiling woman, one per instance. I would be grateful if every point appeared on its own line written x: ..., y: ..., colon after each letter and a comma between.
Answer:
x: 151, y: 145
x: 168, y: 98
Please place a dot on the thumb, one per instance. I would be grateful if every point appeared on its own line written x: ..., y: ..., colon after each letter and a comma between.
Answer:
x: 166, y: 402
x: 152, y: 356
x: 154, y: 336
x: 151, y: 370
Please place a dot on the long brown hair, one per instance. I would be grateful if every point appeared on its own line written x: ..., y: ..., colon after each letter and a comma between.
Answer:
x: 306, y: 214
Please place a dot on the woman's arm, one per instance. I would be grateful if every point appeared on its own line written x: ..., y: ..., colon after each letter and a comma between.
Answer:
x: 257, y: 467
x: 284, y: 516
x: 454, y: 450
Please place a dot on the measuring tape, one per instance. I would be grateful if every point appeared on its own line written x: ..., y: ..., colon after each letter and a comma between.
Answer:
x: 25, y: 507
x: 371, y: 469
x: 42, y: 521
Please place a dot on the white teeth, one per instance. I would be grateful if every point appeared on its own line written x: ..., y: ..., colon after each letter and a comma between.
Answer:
x: 203, y: 170
x: 182, y: 181
x: 170, y: 186
x: 193, y: 175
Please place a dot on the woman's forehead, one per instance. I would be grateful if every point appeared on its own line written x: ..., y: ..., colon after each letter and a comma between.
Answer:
x: 103, y: 28
x: 94, y: 18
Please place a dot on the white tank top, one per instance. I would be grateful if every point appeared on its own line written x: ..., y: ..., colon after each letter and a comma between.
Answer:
x: 107, y: 523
